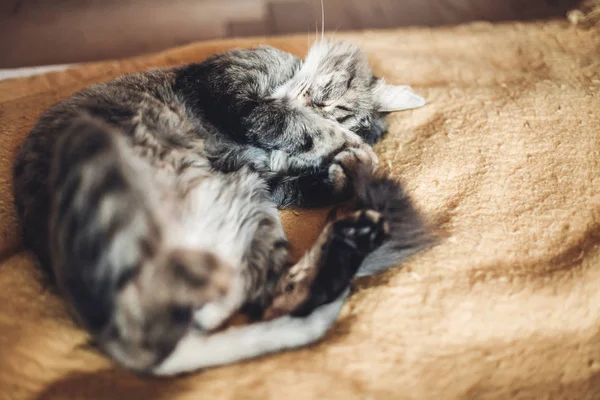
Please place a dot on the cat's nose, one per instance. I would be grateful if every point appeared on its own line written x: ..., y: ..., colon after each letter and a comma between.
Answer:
x: 307, y: 99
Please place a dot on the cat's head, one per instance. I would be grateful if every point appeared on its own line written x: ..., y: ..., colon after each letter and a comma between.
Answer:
x: 337, y: 81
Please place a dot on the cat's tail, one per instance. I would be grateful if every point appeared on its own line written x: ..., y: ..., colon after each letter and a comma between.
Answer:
x: 409, y: 232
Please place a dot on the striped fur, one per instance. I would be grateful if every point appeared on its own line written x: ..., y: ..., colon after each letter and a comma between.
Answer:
x: 152, y: 201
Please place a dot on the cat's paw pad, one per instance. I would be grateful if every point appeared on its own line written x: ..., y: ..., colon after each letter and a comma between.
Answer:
x: 364, y: 230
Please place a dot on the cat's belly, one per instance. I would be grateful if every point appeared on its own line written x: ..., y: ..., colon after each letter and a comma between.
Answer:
x: 220, y: 213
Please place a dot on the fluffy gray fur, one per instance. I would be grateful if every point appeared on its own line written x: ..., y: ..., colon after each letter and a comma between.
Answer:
x: 152, y: 201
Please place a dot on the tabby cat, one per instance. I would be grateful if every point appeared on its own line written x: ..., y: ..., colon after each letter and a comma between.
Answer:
x: 152, y: 201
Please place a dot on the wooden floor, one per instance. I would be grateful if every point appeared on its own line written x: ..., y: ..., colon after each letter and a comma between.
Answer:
x: 40, y: 32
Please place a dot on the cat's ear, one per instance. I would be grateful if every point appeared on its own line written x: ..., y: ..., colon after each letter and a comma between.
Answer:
x: 395, y: 98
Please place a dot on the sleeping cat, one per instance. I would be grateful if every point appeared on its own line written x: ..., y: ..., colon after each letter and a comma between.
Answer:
x: 152, y: 201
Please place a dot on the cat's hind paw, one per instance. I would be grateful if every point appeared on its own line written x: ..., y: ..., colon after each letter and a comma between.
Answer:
x: 363, y: 230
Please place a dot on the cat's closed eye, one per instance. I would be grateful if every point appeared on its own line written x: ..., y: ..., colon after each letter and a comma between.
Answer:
x: 343, y: 108
x: 343, y: 119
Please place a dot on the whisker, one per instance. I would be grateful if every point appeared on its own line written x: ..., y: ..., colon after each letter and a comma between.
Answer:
x: 337, y: 28
x: 322, y: 20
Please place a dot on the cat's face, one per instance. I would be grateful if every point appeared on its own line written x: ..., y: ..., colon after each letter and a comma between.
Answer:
x: 337, y: 81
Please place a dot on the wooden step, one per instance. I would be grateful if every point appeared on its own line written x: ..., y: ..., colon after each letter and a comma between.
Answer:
x: 290, y: 17
x: 247, y: 28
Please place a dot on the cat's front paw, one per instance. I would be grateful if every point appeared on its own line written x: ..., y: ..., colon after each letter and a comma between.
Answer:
x: 347, y: 164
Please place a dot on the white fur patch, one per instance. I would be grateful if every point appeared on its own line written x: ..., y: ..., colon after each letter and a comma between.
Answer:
x: 213, y: 314
x: 196, y: 350
x: 278, y: 161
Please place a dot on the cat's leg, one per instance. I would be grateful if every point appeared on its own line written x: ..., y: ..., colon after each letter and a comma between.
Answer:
x: 265, y: 261
x: 309, y: 295
x: 307, y: 300
x: 292, y: 187
x: 232, y: 215
x: 328, y: 268
x: 133, y: 292
x: 250, y: 236
x: 324, y: 186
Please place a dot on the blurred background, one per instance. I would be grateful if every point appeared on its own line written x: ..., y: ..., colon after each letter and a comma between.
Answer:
x: 43, y: 32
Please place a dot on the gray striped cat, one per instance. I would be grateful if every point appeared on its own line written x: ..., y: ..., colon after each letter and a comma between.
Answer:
x: 152, y: 201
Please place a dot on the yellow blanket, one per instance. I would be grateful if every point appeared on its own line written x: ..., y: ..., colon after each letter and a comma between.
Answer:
x: 506, y: 157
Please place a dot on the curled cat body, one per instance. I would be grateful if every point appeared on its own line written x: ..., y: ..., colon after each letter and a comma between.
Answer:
x: 152, y: 200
